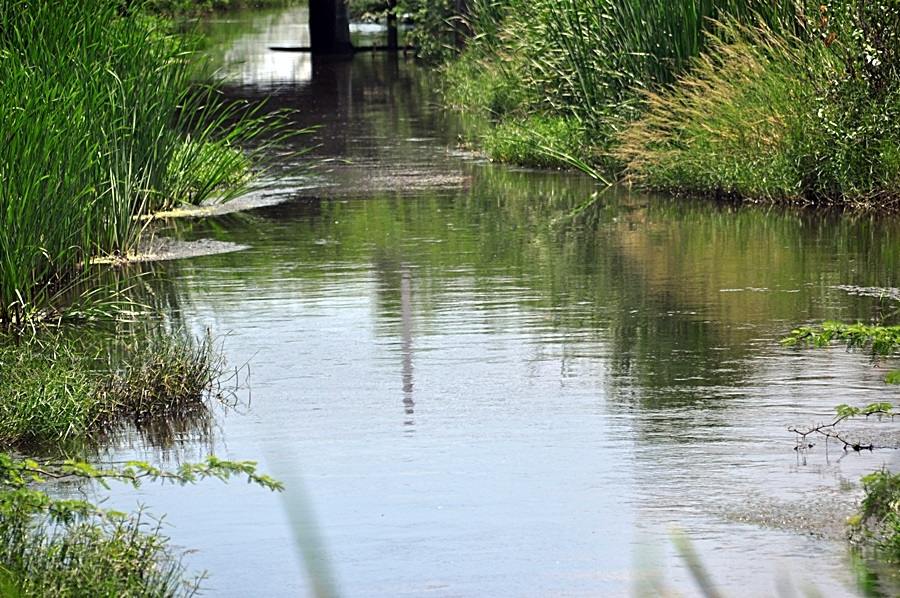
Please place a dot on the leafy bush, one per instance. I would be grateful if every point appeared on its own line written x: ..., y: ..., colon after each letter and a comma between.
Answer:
x: 879, y: 518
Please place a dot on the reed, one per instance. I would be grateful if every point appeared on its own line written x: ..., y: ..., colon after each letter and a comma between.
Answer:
x: 591, y: 61
x: 774, y: 116
x: 95, y: 108
x: 738, y: 124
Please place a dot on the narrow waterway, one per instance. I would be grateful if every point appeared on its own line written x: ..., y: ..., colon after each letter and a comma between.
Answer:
x: 472, y: 387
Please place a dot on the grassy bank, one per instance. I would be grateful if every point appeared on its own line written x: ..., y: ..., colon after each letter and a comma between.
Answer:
x: 57, y: 392
x: 102, y: 124
x: 791, y: 102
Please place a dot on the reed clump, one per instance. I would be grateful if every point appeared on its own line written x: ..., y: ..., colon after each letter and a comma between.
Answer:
x: 789, y: 101
x: 101, y: 123
x: 63, y: 392
x: 737, y: 124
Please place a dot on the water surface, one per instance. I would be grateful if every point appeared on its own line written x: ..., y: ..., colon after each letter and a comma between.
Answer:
x: 472, y: 386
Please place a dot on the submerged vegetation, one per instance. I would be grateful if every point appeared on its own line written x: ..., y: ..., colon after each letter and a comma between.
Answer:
x: 877, y: 526
x: 789, y: 101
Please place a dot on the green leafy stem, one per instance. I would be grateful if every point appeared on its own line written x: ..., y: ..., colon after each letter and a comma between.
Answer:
x: 20, y: 478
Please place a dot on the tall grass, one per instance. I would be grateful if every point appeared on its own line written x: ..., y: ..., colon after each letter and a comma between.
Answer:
x: 66, y: 392
x: 794, y: 100
x: 94, y: 109
x: 739, y: 124
x: 589, y: 60
x: 774, y: 116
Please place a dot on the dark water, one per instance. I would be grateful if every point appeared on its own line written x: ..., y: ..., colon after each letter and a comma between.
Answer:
x: 471, y: 386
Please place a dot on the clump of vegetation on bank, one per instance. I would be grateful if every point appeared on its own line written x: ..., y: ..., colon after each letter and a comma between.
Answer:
x: 65, y: 547
x: 809, y: 118
x: 60, y: 396
x: 790, y: 101
x: 878, y: 523
x: 102, y: 124
x: 585, y: 60
x: 62, y: 392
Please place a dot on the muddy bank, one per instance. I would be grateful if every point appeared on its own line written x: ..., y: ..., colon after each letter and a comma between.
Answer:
x: 165, y: 248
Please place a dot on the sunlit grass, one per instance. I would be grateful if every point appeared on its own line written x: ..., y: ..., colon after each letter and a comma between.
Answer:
x: 101, y: 123
x: 57, y: 391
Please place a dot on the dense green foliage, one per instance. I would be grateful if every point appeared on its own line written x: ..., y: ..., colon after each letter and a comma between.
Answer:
x: 102, y: 124
x: 96, y: 110
x: 809, y: 118
x: 791, y: 101
x: 879, y: 518
x: 64, y: 391
x: 585, y: 60
x: 194, y: 7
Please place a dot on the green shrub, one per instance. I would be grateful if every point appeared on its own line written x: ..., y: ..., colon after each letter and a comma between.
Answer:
x: 879, y: 520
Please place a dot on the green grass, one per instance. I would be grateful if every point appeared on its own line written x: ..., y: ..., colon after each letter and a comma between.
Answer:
x: 737, y: 124
x: 61, y: 392
x: 92, y: 558
x: 773, y: 117
x: 589, y: 60
x: 790, y: 101
x: 878, y: 523
x: 535, y: 141
x: 198, y: 7
x: 101, y: 123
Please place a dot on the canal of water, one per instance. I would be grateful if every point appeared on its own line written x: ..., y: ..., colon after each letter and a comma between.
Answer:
x: 472, y: 385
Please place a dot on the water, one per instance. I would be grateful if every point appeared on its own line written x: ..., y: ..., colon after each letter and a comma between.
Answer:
x: 470, y: 386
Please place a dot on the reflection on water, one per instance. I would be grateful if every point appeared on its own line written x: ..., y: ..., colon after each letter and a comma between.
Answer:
x: 572, y: 384
x: 246, y: 59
